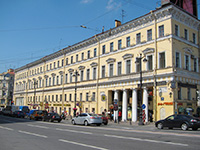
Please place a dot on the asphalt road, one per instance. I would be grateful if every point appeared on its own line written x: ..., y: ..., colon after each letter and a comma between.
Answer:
x: 23, y: 134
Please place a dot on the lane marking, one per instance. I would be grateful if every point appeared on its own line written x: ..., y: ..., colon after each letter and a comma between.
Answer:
x: 145, y: 140
x: 81, y: 144
x: 29, y: 133
x: 37, y: 126
x: 73, y: 131
x: 6, y: 128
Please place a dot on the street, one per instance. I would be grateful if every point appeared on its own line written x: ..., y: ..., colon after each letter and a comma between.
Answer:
x: 22, y: 134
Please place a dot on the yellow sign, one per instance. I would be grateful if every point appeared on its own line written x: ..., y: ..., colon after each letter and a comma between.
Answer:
x: 80, y: 104
x: 41, y: 103
x: 67, y: 104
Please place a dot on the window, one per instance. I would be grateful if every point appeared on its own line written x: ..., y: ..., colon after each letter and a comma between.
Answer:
x: 47, y: 67
x: 58, y: 64
x: 103, y: 49
x: 49, y: 98
x: 71, y: 76
x: 161, y: 31
x: 66, y: 61
x: 128, y: 66
x: 119, y: 68
x: 54, y: 65
x: 70, y: 97
x: 50, y: 66
x: 52, y: 98
x: 50, y: 81
x: 195, y: 65
x: 88, y: 74
x: 71, y: 59
x: 81, y: 96
x: 186, y: 34
x: 62, y: 62
x: 111, y: 70
x: 150, y: 62
x: 76, y: 57
x: 65, y: 97
x: 87, y: 96
x: 61, y: 79
x: 138, y: 66
x: 162, y: 60
x: 53, y: 80
x: 82, y: 56
x: 149, y: 35
x: 119, y: 44
x: 189, y: 94
x: 176, y: 30
x: 178, y: 65
x: 81, y: 77
x: 95, y: 52
x: 46, y: 83
x: 194, y: 38
x: 94, y: 73
x: 60, y: 97
x: 88, y: 54
x: 103, y: 72
x: 57, y: 80
x: 186, y: 62
x: 111, y: 47
x: 93, y: 96
x: 66, y: 76
x: 138, y: 38
x: 128, y: 43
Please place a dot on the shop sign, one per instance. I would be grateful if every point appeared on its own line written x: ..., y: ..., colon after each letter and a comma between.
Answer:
x: 165, y: 103
x: 67, y: 104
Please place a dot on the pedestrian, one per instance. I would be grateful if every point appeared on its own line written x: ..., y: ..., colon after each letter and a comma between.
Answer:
x: 119, y: 115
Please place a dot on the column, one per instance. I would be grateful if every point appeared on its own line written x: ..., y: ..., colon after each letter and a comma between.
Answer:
x: 124, y: 105
x: 145, y: 101
x: 134, y: 105
x: 116, y: 98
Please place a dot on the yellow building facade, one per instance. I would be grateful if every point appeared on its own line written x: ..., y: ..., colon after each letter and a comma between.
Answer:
x: 107, y: 72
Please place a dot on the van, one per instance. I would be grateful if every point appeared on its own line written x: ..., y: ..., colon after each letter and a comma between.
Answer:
x: 38, y: 114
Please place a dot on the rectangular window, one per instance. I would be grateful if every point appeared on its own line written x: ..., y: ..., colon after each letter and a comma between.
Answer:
x: 162, y: 60
x: 81, y: 76
x: 177, y: 59
x: 194, y: 38
x: 138, y: 38
x: 95, y: 52
x: 60, y: 97
x: 103, y: 72
x: 128, y: 42
x: 87, y: 96
x: 189, y: 93
x: 176, y: 30
x: 138, y: 67
x: 71, y: 77
x: 195, y: 65
x: 81, y: 96
x: 186, y: 34
x: 53, y: 80
x: 54, y: 65
x: 47, y: 68
x: 88, y: 54
x: 161, y: 31
x: 111, y: 47
x: 103, y: 49
x: 61, y: 79
x: 50, y: 66
x: 82, y: 56
x: 52, y: 98
x: 65, y: 97
x: 57, y: 80
x: 94, y: 73
x: 58, y: 64
x: 66, y: 77
x: 88, y: 74
x: 62, y: 62
x: 150, y: 62
x: 66, y: 61
x: 119, y: 67
x: 72, y: 60
x: 186, y: 62
x: 149, y: 35
x: 76, y: 57
x: 128, y: 66
x: 70, y: 97
x: 111, y: 70
x: 179, y: 93
x: 49, y: 81
x: 119, y: 44
x: 93, y: 96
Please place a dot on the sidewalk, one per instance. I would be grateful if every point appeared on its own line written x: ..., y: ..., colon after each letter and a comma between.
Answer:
x: 129, y: 124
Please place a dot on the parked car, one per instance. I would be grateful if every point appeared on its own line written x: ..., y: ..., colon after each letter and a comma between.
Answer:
x: 52, y: 117
x: 87, y: 119
x: 179, y: 121
x: 104, y: 119
x: 19, y: 114
x: 38, y: 114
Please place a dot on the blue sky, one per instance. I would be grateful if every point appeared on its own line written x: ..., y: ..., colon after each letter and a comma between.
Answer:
x: 32, y: 29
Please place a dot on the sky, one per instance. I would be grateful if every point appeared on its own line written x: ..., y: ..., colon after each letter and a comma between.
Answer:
x: 32, y: 29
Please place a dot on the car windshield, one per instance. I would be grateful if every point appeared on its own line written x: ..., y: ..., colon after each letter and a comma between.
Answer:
x: 94, y: 115
x: 55, y: 114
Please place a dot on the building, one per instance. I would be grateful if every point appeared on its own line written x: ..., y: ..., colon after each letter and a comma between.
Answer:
x: 107, y: 73
x: 6, y: 87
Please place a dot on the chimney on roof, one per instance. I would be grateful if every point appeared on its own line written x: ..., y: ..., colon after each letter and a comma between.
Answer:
x: 117, y: 23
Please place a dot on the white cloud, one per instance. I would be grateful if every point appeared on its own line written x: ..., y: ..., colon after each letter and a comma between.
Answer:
x: 86, y: 1
x: 111, y: 4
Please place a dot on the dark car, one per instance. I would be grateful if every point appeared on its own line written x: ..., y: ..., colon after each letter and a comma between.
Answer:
x: 38, y: 114
x: 52, y: 117
x: 104, y: 119
x: 179, y: 121
x: 19, y: 114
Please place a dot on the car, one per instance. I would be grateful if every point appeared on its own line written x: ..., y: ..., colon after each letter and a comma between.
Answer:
x: 179, y: 121
x: 38, y: 114
x: 87, y: 119
x: 19, y: 114
x: 104, y: 119
x: 52, y: 117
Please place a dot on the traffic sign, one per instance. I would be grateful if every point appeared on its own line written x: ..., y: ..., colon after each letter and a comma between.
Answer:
x: 143, y: 106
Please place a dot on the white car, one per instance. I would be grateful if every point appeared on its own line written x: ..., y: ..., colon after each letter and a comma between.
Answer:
x: 87, y: 119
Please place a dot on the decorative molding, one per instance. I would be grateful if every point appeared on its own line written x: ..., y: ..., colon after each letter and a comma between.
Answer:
x: 61, y: 72
x: 148, y: 50
x: 81, y: 67
x: 127, y: 56
x: 94, y: 64
x: 71, y: 70
x: 188, y: 50
x: 110, y: 60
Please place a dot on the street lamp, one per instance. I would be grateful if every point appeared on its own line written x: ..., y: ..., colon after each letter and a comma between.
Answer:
x: 76, y: 74
x: 35, y: 84
x: 139, y: 62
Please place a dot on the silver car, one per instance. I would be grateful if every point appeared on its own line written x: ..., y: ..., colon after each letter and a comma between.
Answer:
x: 87, y: 119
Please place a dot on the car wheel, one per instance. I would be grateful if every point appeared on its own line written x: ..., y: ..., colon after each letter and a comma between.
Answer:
x: 98, y: 124
x: 194, y: 129
x: 59, y: 120
x: 86, y: 123
x: 105, y: 123
x: 160, y: 126
x: 73, y: 122
x: 184, y: 126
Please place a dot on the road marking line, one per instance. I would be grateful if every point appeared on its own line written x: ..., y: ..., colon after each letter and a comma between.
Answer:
x: 81, y: 144
x: 73, y: 131
x: 33, y: 134
x: 146, y: 140
x: 6, y: 128
x: 37, y: 126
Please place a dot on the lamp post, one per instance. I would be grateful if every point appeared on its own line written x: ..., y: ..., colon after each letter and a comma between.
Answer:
x: 139, y: 62
x: 75, y: 75
x: 35, y: 84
